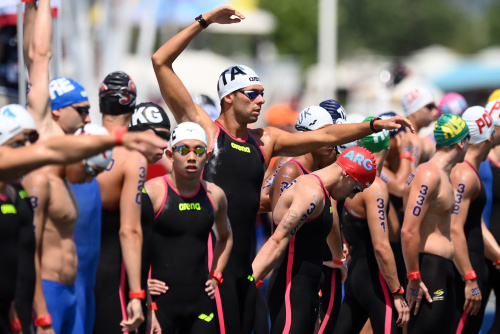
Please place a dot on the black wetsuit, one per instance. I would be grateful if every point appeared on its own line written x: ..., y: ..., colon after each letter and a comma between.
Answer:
x: 26, y: 275
x: 475, y: 245
x: 494, y: 227
x: 111, y: 288
x: 180, y: 259
x: 238, y: 168
x: 10, y: 227
x: 366, y: 292
x: 293, y: 291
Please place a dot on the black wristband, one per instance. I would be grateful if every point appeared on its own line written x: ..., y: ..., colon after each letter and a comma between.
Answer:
x: 202, y: 21
x: 372, y: 126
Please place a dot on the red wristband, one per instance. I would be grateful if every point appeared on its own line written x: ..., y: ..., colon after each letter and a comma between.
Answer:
x: 414, y: 275
x: 339, y: 262
x: 398, y: 291
x: 498, y: 262
x: 217, y: 275
x: 470, y: 275
x: 44, y: 320
x: 15, y: 326
x: 28, y: 0
x: 259, y: 284
x: 152, y: 307
x: 407, y: 155
x: 137, y: 294
x: 119, y: 136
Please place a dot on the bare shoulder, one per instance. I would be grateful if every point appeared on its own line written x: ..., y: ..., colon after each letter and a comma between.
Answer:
x: 310, y: 185
x: 155, y: 186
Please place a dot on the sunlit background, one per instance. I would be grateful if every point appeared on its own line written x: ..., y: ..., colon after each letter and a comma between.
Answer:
x: 369, y: 52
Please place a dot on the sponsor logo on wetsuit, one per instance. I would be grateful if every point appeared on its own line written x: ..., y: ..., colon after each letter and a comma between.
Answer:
x: 8, y: 208
x: 240, y: 148
x: 438, y: 295
x: 189, y: 206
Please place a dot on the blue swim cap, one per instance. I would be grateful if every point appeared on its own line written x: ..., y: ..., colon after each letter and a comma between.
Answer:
x: 335, y: 109
x: 64, y: 92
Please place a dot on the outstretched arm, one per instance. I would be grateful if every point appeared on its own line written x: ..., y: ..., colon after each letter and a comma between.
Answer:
x: 172, y: 89
x: 16, y: 162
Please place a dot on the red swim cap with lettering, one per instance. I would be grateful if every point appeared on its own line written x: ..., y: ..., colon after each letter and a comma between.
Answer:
x: 359, y: 163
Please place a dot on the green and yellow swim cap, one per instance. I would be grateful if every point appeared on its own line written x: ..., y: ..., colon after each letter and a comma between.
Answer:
x: 375, y: 142
x: 450, y: 129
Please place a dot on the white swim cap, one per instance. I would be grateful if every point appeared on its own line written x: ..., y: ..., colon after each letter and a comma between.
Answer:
x: 234, y: 78
x: 312, y: 118
x: 188, y: 130
x: 102, y: 159
x: 22, y: 116
x: 480, y: 123
x: 9, y: 127
x: 415, y: 99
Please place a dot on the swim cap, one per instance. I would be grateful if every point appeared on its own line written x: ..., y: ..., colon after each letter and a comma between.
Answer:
x: 151, y: 114
x: 102, y: 159
x: 452, y: 103
x: 117, y: 94
x: 359, y: 163
x: 493, y: 106
x: 280, y: 114
x: 480, y: 124
x: 388, y: 115
x: 415, y: 99
x: 207, y: 104
x: 65, y: 91
x: 234, y: 78
x: 9, y: 127
x: 350, y: 119
x: 335, y: 109
x: 450, y: 129
x: 312, y: 118
x: 377, y: 141
x: 22, y: 116
x: 188, y: 130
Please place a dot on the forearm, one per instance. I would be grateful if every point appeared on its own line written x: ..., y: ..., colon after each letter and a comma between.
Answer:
x: 39, y: 304
x: 221, y: 253
x: 387, y: 265
x: 266, y: 258
x: 41, y: 47
x: 461, y: 259
x: 410, y: 243
x: 334, y: 241
x: 131, y: 245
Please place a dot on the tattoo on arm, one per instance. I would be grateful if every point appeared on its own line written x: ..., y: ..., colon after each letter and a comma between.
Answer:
x: 287, y: 222
x: 458, y: 198
x: 381, y: 212
x: 417, y: 209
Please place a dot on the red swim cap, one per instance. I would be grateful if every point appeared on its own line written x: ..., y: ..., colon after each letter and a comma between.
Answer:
x: 359, y: 163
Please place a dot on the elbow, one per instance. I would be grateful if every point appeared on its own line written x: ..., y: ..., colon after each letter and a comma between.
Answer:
x: 130, y: 232
x: 381, y: 250
x: 406, y: 235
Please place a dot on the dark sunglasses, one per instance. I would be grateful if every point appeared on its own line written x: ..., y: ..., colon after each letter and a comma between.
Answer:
x: 83, y: 111
x: 468, y: 136
x: 184, y: 150
x: 356, y: 190
x: 90, y: 170
x: 16, y: 144
x: 32, y: 137
x: 251, y: 94
x: 431, y: 106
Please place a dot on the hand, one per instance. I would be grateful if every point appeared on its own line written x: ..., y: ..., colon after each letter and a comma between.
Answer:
x: 210, y: 287
x: 146, y: 142
x: 394, y: 123
x: 403, y: 310
x: 153, y: 326
x: 342, y: 267
x: 45, y: 330
x: 222, y: 15
x: 134, y: 314
x: 414, y: 293
x: 472, y: 297
x: 157, y: 287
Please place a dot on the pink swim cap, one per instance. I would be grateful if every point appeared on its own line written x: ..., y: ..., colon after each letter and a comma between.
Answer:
x: 452, y: 103
x: 359, y: 163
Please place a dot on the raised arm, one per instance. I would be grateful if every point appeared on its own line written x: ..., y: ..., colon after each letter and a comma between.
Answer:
x: 16, y: 162
x: 172, y: 89
x: 37, y: 52
x: 223, y: 234
x: 463, y: 179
